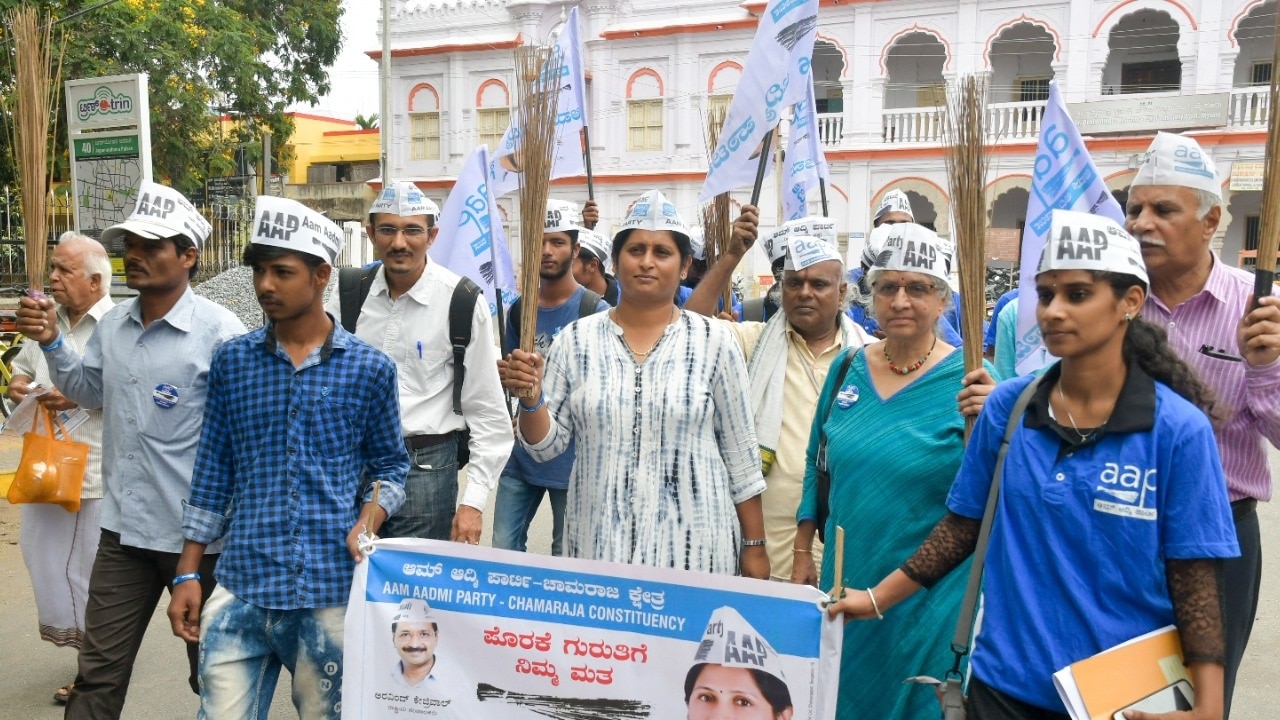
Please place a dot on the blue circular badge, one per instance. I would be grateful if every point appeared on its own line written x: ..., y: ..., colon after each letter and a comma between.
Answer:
x: 847, y: 396
x: 165, y: 395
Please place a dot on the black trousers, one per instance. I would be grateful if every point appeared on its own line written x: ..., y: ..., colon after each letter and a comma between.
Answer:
x: 987, y: 703
x: 1243, y: 580
x: 124, y: 587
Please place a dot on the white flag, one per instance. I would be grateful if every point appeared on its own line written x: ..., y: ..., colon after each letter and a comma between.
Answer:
x: 1064, y: 179
x: 571, y: 116
x: 471, y: 242
x: 775, y: 76
x: 806, y: 163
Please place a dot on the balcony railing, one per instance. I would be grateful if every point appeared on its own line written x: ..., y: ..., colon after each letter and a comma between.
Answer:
x: 830, y: 128
x: 1005, y: 121
x: 1249, y: 107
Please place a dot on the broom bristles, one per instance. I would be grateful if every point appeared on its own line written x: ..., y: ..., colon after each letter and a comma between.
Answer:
x: 967, y: 172
x: 537, y: 101
x: 1269, y: 237
x: 35, y: 89
x: 717, y: 225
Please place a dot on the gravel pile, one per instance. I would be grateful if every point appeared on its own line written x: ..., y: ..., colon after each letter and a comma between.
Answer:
x: 233, y: 290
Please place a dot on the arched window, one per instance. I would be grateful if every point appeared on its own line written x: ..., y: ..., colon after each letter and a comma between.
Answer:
x: 644, y: 111
x: 424, y: 123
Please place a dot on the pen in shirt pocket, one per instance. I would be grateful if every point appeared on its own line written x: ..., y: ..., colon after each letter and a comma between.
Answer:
x: 419, y: 349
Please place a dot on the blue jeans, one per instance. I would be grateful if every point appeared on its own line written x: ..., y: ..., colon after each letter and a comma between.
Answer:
x: 243, y: 646
x: 430, y: 494
x: 516, y: 505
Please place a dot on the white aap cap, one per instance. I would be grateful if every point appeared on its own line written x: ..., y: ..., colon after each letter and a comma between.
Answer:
x: 894, y: 201
x: 809, y: 227
x: 775, y: 244
x: 1081, y: 241
x: 654, y: 212
x: 161, y: 212
x: 1178, y: 160
x: 562, y: 216
x: 875, y: 244
x: 405, y: 199
x: 804, y: 252
x: 413, y: 610
x: 284, y: 223
x: 697, y: 243
x: 912, y: 248
x: 594, y: 243
x: 730, y: 641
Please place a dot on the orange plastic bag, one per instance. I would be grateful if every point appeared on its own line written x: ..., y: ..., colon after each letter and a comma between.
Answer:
x: 51, y: 470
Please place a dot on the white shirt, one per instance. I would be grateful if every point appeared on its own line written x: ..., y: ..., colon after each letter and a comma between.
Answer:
x: 30, y: 362
x: 413, y: 330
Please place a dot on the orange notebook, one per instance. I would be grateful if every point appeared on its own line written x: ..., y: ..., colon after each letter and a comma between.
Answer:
x: 1097, y: 688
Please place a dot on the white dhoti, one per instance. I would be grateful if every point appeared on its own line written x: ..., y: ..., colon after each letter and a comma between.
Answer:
x: 58, y: 548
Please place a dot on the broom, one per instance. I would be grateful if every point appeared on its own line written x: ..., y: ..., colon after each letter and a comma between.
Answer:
x: 1269, y: 240
x: 35, y: 91
x: 716, y: 223
x: 536, y: 112
x: 966, y: 135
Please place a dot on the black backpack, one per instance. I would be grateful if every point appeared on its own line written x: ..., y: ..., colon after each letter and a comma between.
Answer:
x: 353, y: 288
x: 587, y: 306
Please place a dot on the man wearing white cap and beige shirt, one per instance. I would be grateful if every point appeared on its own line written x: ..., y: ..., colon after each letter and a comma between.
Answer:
x: 1175, y: 205
x: 406, y: 315
x: 787, y: 361
x: 146, y: 366
x: 299, y: 412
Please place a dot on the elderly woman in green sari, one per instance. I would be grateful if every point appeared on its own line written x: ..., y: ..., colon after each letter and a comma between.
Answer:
x: 893, y: 416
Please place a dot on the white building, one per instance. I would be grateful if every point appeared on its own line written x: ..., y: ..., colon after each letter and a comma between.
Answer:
x: 880, y: 70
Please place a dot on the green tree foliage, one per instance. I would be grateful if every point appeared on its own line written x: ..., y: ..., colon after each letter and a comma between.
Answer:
x: 245, y: 59
x: 367, y: 123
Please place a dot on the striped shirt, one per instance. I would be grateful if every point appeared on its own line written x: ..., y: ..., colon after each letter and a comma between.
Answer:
x: 1202, y: 330
x: 666, y: 448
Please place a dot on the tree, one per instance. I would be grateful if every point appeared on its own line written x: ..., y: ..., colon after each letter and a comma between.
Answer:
x: 367, y: 123
x: 249, y: 59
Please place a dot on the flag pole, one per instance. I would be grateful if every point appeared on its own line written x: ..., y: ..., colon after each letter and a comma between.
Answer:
x: 765, y: 147
x: 822, y: 189
x: 586, y: 161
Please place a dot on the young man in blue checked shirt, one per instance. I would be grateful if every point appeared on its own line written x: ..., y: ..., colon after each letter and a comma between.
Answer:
x: 298, y: 412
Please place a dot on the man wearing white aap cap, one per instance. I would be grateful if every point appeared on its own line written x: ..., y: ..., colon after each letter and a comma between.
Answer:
x: 416, y: 635
x: 1207, y: 308
x: 593, y: 269
x: 328, y: 404
x: 449, y: 411
x: 894, y: 208
x: 146, y: 365
x: 787, y: 361
x: 736, y: 674
x: 561, y: 301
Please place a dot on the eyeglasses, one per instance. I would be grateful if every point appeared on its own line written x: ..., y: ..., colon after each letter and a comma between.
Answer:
x: 891, y: 222
x: 915, y: 290
x: 388, y: 232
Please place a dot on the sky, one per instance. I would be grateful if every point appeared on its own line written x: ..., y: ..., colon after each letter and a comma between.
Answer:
x: 353, y: 78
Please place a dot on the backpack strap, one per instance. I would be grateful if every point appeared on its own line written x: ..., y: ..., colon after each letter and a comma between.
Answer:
x: 353, y: 288
x: 753, y: 310
x: 462, y: 308
x: 590, y: 301
x: 514, y: 312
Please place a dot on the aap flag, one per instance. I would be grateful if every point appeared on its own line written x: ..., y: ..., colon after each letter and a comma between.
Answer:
x: 471, y: 241
x: 507, y: 161
x: 447, y: 630
x: 774, y: 77
x: 1065, y: 178
x: 806, y: 163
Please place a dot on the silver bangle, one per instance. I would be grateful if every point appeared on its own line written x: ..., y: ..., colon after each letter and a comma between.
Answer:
x: 753, y: 543
x: 874, y: 605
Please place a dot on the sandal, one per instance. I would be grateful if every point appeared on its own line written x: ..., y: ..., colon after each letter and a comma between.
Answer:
x: 63, y: 694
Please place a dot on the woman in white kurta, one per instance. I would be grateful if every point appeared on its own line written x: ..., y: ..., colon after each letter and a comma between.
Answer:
x: 667, y: 471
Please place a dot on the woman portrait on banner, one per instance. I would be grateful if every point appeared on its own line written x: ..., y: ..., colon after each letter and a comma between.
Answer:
x: 668, y: 471
x: 1112, y: 515
x: 894, y: 423
x: 726, y: 683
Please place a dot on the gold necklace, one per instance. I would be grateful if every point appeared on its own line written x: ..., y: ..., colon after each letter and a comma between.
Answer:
x: 642, y: 355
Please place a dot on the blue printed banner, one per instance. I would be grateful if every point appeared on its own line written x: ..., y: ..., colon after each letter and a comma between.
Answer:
x: 571, y: 116
x: 1064, y: 178
x: 456, y: 631
x: 471, y: 242
x: 806, y: 162
x: 773, y: 77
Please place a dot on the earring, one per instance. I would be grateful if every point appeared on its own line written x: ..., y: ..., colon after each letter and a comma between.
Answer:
x: 684, y: 276
x: 1128, y: 317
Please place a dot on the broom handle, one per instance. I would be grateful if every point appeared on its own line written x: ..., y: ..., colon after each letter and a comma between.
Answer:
x: 767, y: 145
x: 586, y: 161
x: 822, y: 190
x: 1263, y: 284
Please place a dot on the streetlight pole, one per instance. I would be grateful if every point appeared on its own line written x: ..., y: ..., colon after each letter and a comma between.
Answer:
x: 384, y: 124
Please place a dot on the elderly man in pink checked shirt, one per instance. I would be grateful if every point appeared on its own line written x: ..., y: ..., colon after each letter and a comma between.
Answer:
x: 1175, y: 205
